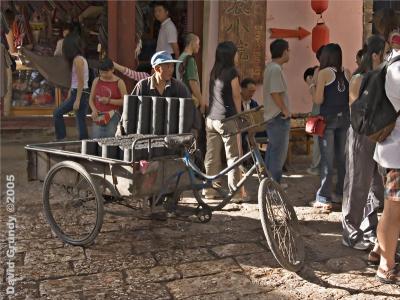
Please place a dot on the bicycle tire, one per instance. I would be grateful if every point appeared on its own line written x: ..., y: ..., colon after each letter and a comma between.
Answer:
x: 63, y: 184
x: 287, y: 248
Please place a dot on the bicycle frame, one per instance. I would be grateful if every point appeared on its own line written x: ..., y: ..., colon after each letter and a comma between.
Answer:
x: 259, y: 167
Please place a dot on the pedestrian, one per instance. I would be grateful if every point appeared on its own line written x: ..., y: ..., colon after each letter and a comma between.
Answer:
x: 316, y: 154
x: 331, y: 91
x: 167, y: 39
x: 135, y: 75
x: 7, y: 65
x: 187, y: 72
x: 106, y: 99
x: 363, y: 186
x: 78, y: 94
x: 385, y: 22
x: 67, y: 28
x: 277, y: 110
x: 247, y: 91
x: 387, y: 156
x: 224, y: 102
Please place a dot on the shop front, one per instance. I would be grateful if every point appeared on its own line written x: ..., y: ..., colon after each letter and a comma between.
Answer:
x: 126, y: 31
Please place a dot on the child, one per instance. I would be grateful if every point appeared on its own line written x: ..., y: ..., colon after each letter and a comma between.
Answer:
x: 106, y: 99
x: 316, y: 155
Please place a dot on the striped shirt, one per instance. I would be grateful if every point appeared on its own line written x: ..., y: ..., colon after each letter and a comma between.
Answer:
x: 137, y: 76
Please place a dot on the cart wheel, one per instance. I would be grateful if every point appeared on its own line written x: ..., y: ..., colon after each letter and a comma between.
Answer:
x: 204, y: 214
x: 73, y: 205
x: 280, y: 225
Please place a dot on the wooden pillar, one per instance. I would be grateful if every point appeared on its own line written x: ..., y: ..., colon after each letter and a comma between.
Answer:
x: 195, y: 25
x: 122, y: 34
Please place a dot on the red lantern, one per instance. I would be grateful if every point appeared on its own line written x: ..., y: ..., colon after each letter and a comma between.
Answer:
x: 319, y: 6
x: 320, y: 36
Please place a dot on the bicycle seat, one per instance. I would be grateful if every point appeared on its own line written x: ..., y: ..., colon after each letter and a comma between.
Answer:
x: 178, y: 141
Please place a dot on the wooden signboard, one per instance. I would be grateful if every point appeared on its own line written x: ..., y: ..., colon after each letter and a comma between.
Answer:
x: 243, y: 22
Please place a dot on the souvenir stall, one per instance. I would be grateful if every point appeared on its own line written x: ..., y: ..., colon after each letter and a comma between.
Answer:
x: 37, y: 26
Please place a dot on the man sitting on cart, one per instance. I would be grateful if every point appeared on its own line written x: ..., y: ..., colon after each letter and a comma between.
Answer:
x: 162, y: 84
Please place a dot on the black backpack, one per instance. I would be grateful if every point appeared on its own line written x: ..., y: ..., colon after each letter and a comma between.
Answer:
x: 372, y: 114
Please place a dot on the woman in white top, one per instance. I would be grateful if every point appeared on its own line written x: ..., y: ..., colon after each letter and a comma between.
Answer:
x: 387, y: 155
x: 78, y: 94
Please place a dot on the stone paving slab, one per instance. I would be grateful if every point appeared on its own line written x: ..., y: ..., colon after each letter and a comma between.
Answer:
x: 222, y: 282
x: 227, y: 258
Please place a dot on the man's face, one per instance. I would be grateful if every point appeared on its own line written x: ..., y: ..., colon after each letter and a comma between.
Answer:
x: 196, y: 45
x: 286, y: 55
x: 160, y: 13
x: 165, y: 71
x: 248, y: 92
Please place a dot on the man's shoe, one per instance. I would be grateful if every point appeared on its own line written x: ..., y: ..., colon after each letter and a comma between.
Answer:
x: 360, y: 245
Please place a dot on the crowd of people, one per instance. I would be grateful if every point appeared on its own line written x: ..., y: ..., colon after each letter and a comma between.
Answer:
x: 367, y: 173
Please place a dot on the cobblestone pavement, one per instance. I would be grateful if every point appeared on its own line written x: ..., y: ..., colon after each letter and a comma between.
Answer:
x: 132, y: 258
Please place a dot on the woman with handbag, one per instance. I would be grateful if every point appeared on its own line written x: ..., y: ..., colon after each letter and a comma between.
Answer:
x: 331, y: 91
x: 106, y: 99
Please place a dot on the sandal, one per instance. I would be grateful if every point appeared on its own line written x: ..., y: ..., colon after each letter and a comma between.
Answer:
x: 391, y: 276
x: 374, y: 258
x: 317, y: 204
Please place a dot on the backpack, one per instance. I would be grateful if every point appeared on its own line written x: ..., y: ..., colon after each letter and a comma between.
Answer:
x: 372, y: 114
x: 182, y: 67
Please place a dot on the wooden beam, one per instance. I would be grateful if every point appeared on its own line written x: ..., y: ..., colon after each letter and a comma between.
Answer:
x: 122, y: 34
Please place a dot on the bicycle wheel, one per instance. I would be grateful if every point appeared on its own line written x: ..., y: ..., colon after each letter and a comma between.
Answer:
x: 280, y: 225
x: 73, y: 205
x: 218, y: 202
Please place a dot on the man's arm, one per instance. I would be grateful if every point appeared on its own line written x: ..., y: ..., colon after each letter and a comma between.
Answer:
x: 278, y: 100
x: 195, y: 88
x: 175, y: 48
x: 137, y: 76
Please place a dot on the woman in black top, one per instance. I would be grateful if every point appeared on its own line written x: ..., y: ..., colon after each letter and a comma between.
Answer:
x: 224, y: 102
x: 331, y: 91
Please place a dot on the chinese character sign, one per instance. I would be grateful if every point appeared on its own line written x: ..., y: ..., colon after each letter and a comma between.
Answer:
x: 243, y: 22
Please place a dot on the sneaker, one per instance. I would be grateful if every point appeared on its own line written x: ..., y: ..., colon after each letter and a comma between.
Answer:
x: 313, y: 171
x: 360, y: 245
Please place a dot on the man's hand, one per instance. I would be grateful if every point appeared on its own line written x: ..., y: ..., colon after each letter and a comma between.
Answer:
x: 286, y: 113
x: 76, y: 105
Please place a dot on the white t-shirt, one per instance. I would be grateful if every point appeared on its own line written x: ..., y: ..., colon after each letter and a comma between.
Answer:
x: 387, y: 153
x: 168, y: 34
x: 274, y: 82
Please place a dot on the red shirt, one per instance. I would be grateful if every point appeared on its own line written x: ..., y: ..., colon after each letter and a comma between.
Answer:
x: 106, y: 89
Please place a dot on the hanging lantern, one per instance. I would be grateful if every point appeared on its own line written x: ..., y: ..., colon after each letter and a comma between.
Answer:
x: 320, y: 36
x: 319, y: 6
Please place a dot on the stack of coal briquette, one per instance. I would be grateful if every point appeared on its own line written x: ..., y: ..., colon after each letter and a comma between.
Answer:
x: 145, y: 117
x: 121, y: 147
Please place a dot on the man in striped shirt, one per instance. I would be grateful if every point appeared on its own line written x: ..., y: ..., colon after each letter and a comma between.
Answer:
x: 137, y: 76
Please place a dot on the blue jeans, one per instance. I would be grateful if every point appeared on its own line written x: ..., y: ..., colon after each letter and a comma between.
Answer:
x: 278, y: 130
x: 332, y: 146
x: 103, y: 131
x: 66, y: 107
